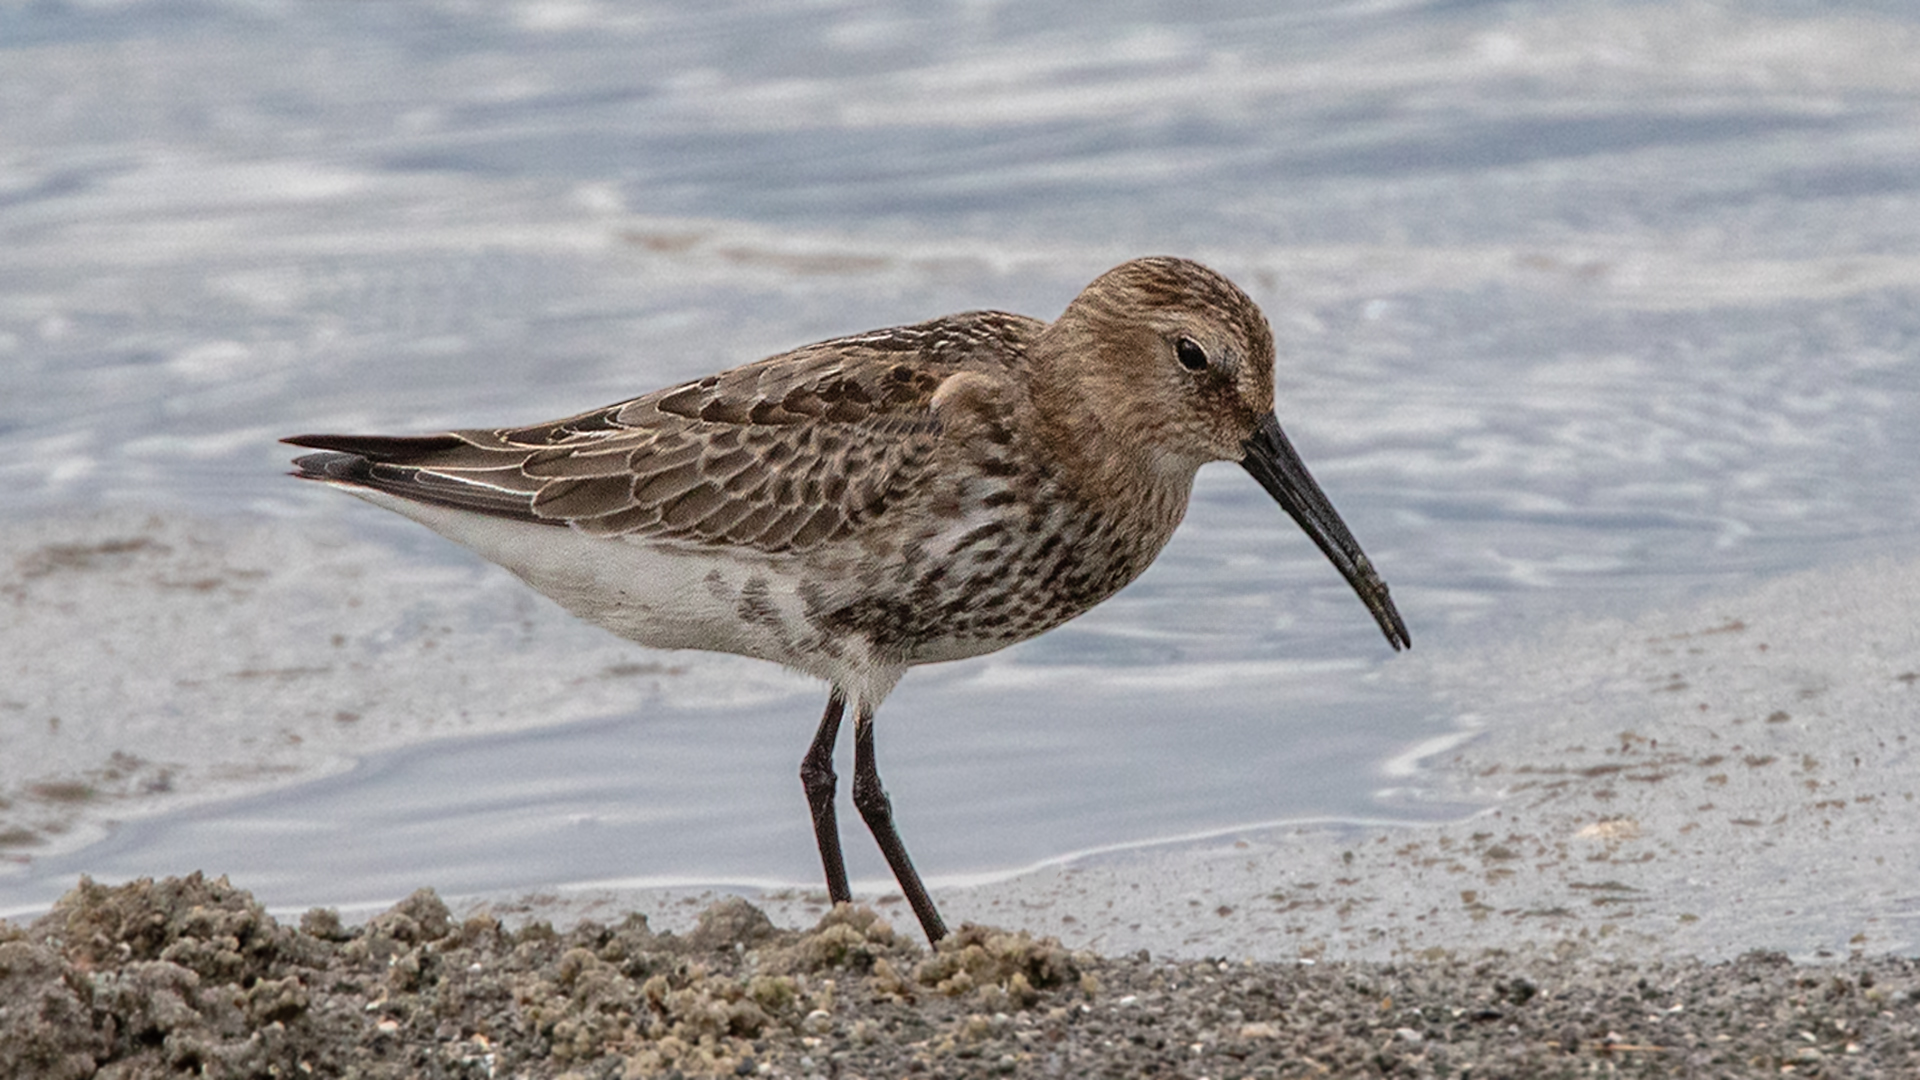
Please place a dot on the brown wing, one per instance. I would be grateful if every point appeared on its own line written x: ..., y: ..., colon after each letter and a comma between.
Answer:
x: 779, y: 455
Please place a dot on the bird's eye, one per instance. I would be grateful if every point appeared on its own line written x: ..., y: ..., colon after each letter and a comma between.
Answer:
x: 1191, y: 355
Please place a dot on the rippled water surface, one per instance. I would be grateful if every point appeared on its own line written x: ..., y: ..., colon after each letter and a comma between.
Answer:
x: 1582, y: 308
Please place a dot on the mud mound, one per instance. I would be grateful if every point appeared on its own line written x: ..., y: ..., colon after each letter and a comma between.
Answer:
x: 190, y: 977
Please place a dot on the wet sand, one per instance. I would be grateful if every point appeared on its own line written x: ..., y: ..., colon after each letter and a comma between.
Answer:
x: 1697, y: 863
x: 1734, y: 774
x: 191, y: 976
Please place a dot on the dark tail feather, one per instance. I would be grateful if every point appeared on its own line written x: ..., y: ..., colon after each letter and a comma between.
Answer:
x: 397, y: 448
x: 411, y: 482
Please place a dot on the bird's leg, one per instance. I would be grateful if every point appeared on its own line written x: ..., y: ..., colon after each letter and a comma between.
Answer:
x: 877, y: 810
x: 819, y: 780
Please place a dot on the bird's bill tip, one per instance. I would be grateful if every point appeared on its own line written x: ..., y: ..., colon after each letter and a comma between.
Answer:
x: 1273, y: 462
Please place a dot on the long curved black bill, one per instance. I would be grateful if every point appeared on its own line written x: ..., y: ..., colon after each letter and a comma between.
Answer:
x: 1271, y: 460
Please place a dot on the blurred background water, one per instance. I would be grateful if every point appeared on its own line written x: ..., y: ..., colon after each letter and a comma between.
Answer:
x: 1582, y: 307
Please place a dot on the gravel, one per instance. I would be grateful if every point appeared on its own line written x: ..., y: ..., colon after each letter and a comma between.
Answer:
x: 190, y: 976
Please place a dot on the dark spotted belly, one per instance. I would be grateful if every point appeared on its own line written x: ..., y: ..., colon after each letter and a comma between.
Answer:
x: 1016, y: 577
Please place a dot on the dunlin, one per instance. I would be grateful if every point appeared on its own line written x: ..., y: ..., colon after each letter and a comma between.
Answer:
x: 853, y: 508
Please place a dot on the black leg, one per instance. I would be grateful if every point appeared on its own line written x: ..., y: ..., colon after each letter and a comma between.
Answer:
x: 818, y: 778
x: 877, y: 810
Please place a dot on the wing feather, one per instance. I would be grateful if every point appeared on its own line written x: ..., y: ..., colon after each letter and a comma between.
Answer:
x: 780, y: 455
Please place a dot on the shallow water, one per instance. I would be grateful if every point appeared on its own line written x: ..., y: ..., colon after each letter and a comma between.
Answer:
x: 1583, y: 308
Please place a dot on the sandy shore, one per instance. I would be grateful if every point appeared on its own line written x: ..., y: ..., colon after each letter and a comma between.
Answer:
x: 1697, y: 860
x: 1736, y: 773
x: 1732, y: 775
x: 190, y: 976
